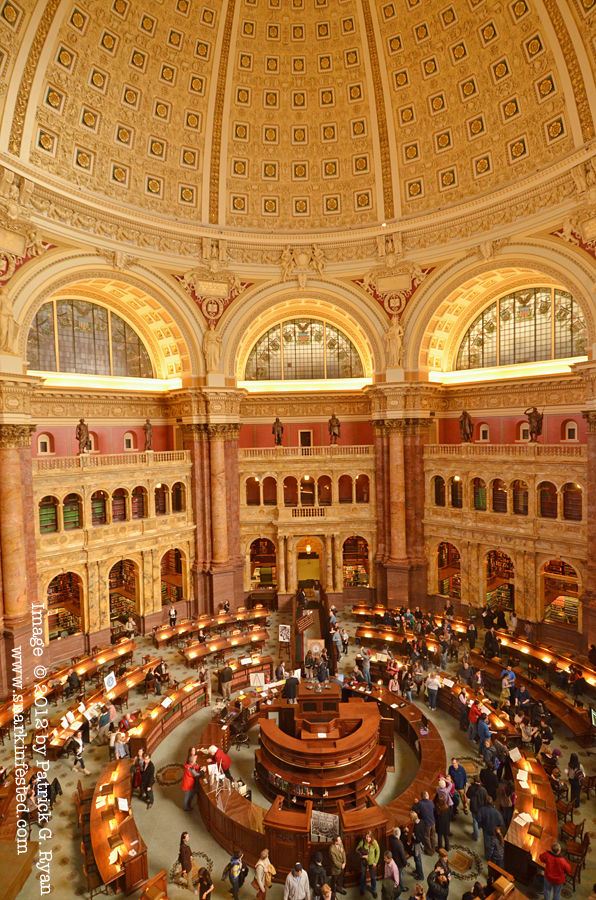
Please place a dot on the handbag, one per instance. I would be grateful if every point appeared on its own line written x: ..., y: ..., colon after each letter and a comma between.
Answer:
x: 255, y: 884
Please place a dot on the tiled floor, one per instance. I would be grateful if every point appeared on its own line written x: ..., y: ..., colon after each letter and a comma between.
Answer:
x: 162, y: 826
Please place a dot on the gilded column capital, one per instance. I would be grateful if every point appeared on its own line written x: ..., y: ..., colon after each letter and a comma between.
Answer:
x: 224, y: 431
x: 590, y: 417
x: 194, y: 431
x: 16, y: 437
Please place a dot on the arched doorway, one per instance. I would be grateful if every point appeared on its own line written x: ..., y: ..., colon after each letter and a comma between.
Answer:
x: 499, y: 579
x: 356, y: 569
x: 263, y: 564
x: 172, y: 577
x: 124, y: 591
x: 308, y: 558
x: 560, y: 592
x: 65, y: 602
x: 449, y: 571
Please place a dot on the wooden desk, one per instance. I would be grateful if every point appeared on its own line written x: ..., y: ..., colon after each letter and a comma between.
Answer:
x: 124, y: 870
x: 85, y: 668
x: 242, y: 673
x: 447, y: 699
x: 521, y: 848
x: 577, y: 720
x: 157, y: 724
x: 59, y: 736
x: 167, y: 633
x: 196, y: 652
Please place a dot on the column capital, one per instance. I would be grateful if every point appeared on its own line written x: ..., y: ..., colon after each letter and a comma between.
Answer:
x: 15, y: 437
x: 405, y: 426
x: 590, y: 417
x: 194, y: 431
x: 228, y: 431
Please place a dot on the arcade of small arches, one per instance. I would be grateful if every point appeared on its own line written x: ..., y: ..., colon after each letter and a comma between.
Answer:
x: 312, y: 559
x: 549, y: 501
x: 105, y: 507
x: 307, y: 490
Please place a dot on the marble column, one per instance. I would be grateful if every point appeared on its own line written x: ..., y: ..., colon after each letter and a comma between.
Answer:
x: 416, y: 437
x: 219, y: 517
x: 328, y: 564
x: 588, y: 596
x: 397, y: 495
x: 281, y: 564
x: 195, y: 441
x: 247, y: 569
x: 338, y: 552
x: 292, y: 585
x: 12, y: 524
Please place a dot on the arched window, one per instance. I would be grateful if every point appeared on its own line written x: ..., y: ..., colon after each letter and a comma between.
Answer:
x: 119, y: 505
x: 345, y: 489
x: 561, y: 592
x: 78, y: 336
x: 48, y: 515
x: 362, y: 489
x: 45, y: 444
x: 98, y: 508
x: 161, y: 499
x: 71, y: 512
x: 290, y: 491
x: 307, y: 490
x: 457, y: 492
x: 253, y: 491
x: 269, y: 491
x: 483, y: 432
x: 355, y: 561
x: 569, y: 431
x: 324, y: 490
x: 449, y: 571
x: 526, y: 326
x: 547, y: 494
x: 499, y: 496
x: 520, y: 498
x: 439, y: 483
x: 130, y: 441
x: 572, y: 502
x: 178, y: 498
x: 479, y: 486
x: 523, y: 431
x: 299, y: 349
x: 139, y: 503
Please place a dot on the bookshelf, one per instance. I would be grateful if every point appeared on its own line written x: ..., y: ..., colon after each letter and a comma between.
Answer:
x: 449, y: 568
x: 561, y: 591
x: 122, y: 586
x: 48, y: 515
x: 171, y: 578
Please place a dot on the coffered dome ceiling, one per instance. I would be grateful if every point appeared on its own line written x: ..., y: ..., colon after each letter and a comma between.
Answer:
x: 294, y: 115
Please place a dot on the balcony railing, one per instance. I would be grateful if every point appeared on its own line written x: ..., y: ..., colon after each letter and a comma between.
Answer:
x: 109, y: 460
x: 327, y: 452
x: 309, y: 512
x: 502, y: 451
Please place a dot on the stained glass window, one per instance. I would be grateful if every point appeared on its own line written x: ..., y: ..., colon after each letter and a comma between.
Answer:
x: 526, y: 326
x: 300, y: 349
x: 88, y: 339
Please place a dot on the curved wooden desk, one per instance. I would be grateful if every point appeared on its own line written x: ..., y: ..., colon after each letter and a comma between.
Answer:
x: 234, y: 821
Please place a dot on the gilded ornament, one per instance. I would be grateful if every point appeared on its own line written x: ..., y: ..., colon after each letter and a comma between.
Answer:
x: 196, y: 84
x: 157, y: 148
x: 239, y: 167
x: 299, y: 134
x: 83, y: 159
x: 395, y: 44
x: 331, y: 204
x: 270, y: 134
x: 534, y: 46
x: 510, y: 108
x: 270, y: 170
x: 175, y: 38
x: 488, y: 32
x: 187, y: 195
x: 245, y: 61
x: 147, y: 23
x: 469, y: 88
x: 555, y: 129
x: 407, y: 114
x: 352, y: 57
x: 414, y: 188
x: 130, y: 96
x: 299, y: 99
x: 118, y: 174
x: 272, y: 64
x: 298, y: 65
x: 301, y: 206
x: 272, y: 32
x: 297, y: 32
x: 443, y: 140
x: 270, y: 206
x: 323, y: 30
x: 65, y: 58
x: 546, y: 87
x: 46, y: 141
x: 9, y: 13
x: 448, y: 16
x: 438, y: 102
x: 361, y: 163
x: 98, y: 79
x: 363, y: 200
x: 271, y: 98
x: 401, y: 78
x: 328, y: 132
x: 501, y: 69
x: 208, y: 16
x: 348, y: 25
x: 459, y: 51
x: 153, y: 185
x: 421, y: 32
x: 330, y: 168
x: 192, y: 120
x: 241, y: 131
x: 238, y: 203
x: 300, y: 170
x: 355, y: 92
x: 482, y: 165
x: 167, y: 73
x: 248, y: 29
x: 182, y: 6
x: 202, y: 49
x: 412, y: 151
x: 520, y: 8
x: 89, y: 119
x: 77, y: 19
x: 107, y: 41
x: 518, y: 149
x: 54, y: 98
x: 430, y: 66
x: 477, y: 126
x: 161, y: 110
x: 138, y: 59
x: 120, y: 6
x: 123, y: 135
x: 447, y: 178
x: 327, y: 97
x: 189, y: 157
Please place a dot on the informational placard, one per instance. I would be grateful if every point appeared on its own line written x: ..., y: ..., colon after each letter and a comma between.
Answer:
x: 110, y: 682
x: 305, y: 622
x: 285, y: 634
x: 323, y: 826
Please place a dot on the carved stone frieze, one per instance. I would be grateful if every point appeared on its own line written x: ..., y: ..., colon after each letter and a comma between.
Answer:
x: 311, y: 406
x: 393, y: 284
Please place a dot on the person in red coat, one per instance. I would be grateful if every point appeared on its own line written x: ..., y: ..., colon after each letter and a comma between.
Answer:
x: 556, y: 868
x: 191, y: 771
x: 217, y: 756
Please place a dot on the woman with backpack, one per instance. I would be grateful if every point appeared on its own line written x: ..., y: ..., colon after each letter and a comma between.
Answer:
x: 576, y: 774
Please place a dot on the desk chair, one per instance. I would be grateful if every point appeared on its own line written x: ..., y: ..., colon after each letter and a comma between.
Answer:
x: 146, y: 659
x: 589, y: 785
x: 579, y: 851
x: 56, y: 694
x: 575, y: 874
x: 94, y: 883
x: 85, y: 796
x: 241, y: 737
x: 565, y: 809
x: 572, y: 832
x: 121, y: 701
x: 149, y: 686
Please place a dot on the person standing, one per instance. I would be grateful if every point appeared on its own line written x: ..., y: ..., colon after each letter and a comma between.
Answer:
x: 433, y: 683
x: 555, y: 870
x: 426, y: 810
x: 417, y: 842
x: 173, y: 616
x: 496, y: 850
x: 103, y: 726
x: 474, y: 714
x: 390, y: 886
x: 472, y: 635
x: 345, y: 640
x: 217, y: 756
x: 296, y: 886
x: 365, y: 654
x: 147, y: 781
x: 477, y: 797
x: 336, y: 638
x: 489, y: 818
x: 317, y: 876
x: 264, y: 873
x: 398, y: 854
x: 205, y: 677
x: 576, y: 774
x: 443, y: 821
x: 205, y: 885
x: 186, y: 861
x: 369, y: 851
x: 337, y: 854
x: 225, y: 679
x: 438, y: 884
x: 238, y: 872
x: 459, y: 778
x: 78, y: 754
x: 191, y: 771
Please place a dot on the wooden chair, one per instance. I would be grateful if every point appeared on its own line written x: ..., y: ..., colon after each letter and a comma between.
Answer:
x: 579, y: 851
x: 85, y: 796
x: 156, y: 888
x: 56, y: 694
x: 574, y: 875
x: 572, y: 832
x: 4, y: 733
x: 146, y: 659
x: 561, y: 791
x: 565, y: 809
x: 121, y: 701
x: 94, y: 882
x: 149, y: 686
x: 95, y: 651
x: 589, y: 785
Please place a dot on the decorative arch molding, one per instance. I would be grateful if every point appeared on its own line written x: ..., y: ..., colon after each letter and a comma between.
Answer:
x: 49, y: 575
x: 263, y: 308
x: 549, y: 262
x: 166, y: 306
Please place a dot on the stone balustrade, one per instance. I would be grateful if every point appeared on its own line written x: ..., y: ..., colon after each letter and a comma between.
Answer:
x: 507, y: 451
x: 42, y: 465
x: 330, y: 451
